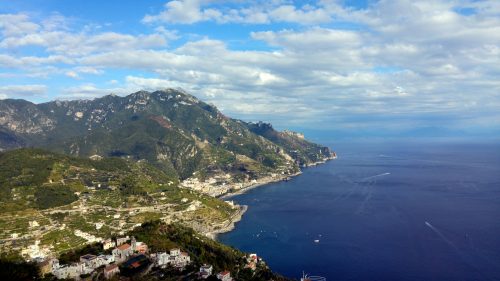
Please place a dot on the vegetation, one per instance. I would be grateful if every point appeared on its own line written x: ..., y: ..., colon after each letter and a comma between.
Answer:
x: 54, y: 196
x: 75, y: 254
x: 142, y: 146
x: 48, y: 196
x: 33, y: 178
x: 172, y: 130
x: 303, y: 151
x: 10, y: 270
x: 160, y: 237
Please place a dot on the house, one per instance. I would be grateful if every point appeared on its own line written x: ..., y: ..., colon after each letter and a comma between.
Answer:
x: 90, y: 261
x: 252, y: 261
x: 111, y: 270
x: 105, y: 260
x: 162, y: 259
x: 176, y: 258
x: 69, y: 271
x: 122, y: 252
x: 206, y: 270
x: 184, y: 258
x: 141, y: 247
x: 175, y: 252
x: 121, y: 240
x: 253, y: 257
x: 179, y: 259
x: 224, y: 276
x: 108, y: 244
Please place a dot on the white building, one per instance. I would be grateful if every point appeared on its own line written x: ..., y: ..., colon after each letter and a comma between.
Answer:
x: 111, y: 270
x: 90, y: 261
x: 184, y: 259
x: 121, y: 240
x: 224, y: 276
x: 69, y: 271
x: 162, y: 259
x: 175, y: 252
x: 122, y: 252
x: 206, y: 270
x: 105, y: 259
x: 175, y: 258
x: 108, y: 244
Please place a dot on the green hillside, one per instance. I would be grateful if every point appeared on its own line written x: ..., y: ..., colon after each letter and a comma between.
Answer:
x: 49, y: 197
x: 34, y: 178
x: 171, y: 129
x: 161, y: 237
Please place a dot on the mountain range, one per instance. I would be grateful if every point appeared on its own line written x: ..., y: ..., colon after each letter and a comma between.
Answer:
x: 170, y: 129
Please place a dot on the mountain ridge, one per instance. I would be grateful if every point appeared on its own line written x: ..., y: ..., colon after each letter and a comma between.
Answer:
x: 169, y: 128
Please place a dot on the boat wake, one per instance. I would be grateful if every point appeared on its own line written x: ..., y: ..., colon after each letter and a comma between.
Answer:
x: 375, y: 176
x: 441, y: 235
x: 464, y: 256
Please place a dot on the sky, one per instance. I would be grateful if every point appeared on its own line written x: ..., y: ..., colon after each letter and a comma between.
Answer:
x: 330, y: 68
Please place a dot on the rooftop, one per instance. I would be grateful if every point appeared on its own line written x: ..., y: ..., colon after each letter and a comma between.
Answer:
x: 110, y: 267
x: 125, y: 246
x: 88, y: 257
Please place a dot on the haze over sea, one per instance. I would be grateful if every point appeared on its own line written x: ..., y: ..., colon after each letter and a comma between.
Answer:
x: 382, y: 211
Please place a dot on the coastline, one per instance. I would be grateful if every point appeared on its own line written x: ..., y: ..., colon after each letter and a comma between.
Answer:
x: 243, y: 208
x: 259, y: 183
x: 230, y: 225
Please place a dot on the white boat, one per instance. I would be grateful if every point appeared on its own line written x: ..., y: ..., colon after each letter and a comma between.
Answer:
x: 305, y: 277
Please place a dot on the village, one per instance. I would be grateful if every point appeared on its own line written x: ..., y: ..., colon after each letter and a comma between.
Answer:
x: 128, y: 257
x: 223, y: 185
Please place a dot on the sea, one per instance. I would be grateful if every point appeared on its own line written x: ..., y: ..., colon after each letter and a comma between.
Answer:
x: 383, y: 210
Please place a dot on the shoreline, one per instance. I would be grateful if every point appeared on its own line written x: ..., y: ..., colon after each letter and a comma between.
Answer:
x: 230, y: 225
x: 243, y: 208
x: 257, y: 184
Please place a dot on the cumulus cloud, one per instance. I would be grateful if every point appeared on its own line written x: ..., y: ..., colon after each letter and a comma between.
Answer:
x: 257, y: 12
x: 16, y: 25
x: 392, y: 59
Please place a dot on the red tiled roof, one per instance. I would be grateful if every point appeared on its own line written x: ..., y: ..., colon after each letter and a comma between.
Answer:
x: 124, y: 247
x: 110, y: 267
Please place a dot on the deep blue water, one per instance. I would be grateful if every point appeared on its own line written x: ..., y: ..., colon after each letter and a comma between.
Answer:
x: 414, y: 211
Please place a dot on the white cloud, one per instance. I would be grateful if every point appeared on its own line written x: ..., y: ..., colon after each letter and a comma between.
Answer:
x: 72, y: 74
x: 313, y: 39
x: 24, y: 91
x: 184, y: 11
x: 89, y: 91
x: 257, y: 12
x: 88, y: 70
x: 149, y: 84
x: 16, y: 25
x: 393, y: 58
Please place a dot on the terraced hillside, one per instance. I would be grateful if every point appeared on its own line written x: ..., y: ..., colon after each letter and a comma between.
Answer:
x: 64, y: 202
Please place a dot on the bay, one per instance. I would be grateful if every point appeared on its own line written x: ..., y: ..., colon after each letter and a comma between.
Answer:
x: 382, y: 211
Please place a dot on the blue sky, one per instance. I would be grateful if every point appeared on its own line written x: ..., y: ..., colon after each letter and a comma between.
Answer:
x: 331, y: 68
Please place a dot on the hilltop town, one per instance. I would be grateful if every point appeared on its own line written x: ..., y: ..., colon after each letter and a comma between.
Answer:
x: 170, y: 252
